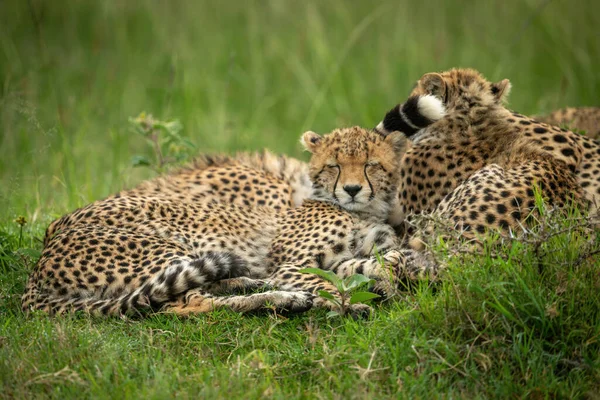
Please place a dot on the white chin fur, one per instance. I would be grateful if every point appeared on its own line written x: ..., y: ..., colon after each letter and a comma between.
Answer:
x: 353, y: 206
x: 431, y: 107
x: 375, y: 207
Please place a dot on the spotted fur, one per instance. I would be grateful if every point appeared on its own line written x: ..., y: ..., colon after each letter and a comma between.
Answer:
x: 130, y: 254
x: 246, y: 179
x: 256, y: 179
x: 480, y: 165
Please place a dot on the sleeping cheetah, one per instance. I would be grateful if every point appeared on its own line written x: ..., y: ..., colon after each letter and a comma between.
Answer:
x: 479, y: 165
x: 130, y: 254
x: 585, y: 119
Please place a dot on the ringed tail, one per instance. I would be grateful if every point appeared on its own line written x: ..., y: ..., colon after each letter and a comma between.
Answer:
x: 167, y: 285
x: 416, y: 113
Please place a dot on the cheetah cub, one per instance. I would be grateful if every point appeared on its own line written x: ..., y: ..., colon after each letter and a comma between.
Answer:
x: 130, y: 255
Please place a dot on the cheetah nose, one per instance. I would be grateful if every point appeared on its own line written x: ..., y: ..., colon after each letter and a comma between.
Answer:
x: 352, y: 190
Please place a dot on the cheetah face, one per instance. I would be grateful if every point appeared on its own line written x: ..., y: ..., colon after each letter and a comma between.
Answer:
x: 355, y: 168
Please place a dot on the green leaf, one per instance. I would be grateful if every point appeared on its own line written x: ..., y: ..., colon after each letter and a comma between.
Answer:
x: 361, y: 297
x: 140, y: 124
x: 356, y: 281
x: 327, y: 275
x: 326, y: 295
x: 140, y: 161
x: 333, y: 314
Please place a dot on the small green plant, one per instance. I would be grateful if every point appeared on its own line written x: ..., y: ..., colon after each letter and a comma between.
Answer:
x: 348, y: 288
x: 164, y: 136
x: 15, y: 251
x: 21, y: 221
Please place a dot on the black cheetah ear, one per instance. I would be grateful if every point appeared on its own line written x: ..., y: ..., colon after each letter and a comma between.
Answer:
x: 398, y: 142
x: 311, y: 141
x: 501, y: 90
x: 433, y: 84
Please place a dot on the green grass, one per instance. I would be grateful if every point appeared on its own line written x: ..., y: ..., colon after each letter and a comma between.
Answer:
x: 251, y: 74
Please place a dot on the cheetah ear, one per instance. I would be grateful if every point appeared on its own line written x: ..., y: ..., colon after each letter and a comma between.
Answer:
x: 433, y: 84
x: 311, y: 141
x: 501, y: 90
x: 397, y: 140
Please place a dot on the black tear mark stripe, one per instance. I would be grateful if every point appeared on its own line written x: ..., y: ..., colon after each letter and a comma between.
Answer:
x: 372, y: 195
x: 446, y: 94
x: 337, y: 178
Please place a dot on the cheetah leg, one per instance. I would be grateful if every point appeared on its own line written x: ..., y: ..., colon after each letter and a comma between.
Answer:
x: 398, y: 266
x: 378, y: 238
x: 240, y: 285
x: 196, y: 301
x: 288, y: 277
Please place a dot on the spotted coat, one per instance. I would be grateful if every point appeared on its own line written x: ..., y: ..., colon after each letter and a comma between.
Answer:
x: 130, y: 254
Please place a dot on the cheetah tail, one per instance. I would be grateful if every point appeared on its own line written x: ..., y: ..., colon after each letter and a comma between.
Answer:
x: 416, y: 113
x: 124, y: 305
x: 35, y: 299
x: 175, y: 280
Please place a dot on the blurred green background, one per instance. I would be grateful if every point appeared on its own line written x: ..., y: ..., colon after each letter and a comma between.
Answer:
x: 245, y: 75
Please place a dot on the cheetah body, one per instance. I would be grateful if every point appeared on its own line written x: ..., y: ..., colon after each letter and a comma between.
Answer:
x: 246, y: 179
x: 130, y: 253
x: 480, y: 165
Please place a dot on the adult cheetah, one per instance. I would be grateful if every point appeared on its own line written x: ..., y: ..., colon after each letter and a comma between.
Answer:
x: 131, y: 254
x: 479, y: 166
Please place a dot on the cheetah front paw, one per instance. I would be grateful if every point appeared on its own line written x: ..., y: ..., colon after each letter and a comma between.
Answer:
x: 359, y: 311
x: 385, y: 288
x: 392, y: 257
x: 409, y: 264
x: 418, y: 265
x: 390, y: 270
x: 293, y: 302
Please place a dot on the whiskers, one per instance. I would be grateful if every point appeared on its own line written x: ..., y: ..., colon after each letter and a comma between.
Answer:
x: 370, y: 205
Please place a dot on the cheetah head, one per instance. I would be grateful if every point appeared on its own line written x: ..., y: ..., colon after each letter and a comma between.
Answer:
x: 356, y: 168
x: 463, y: 89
